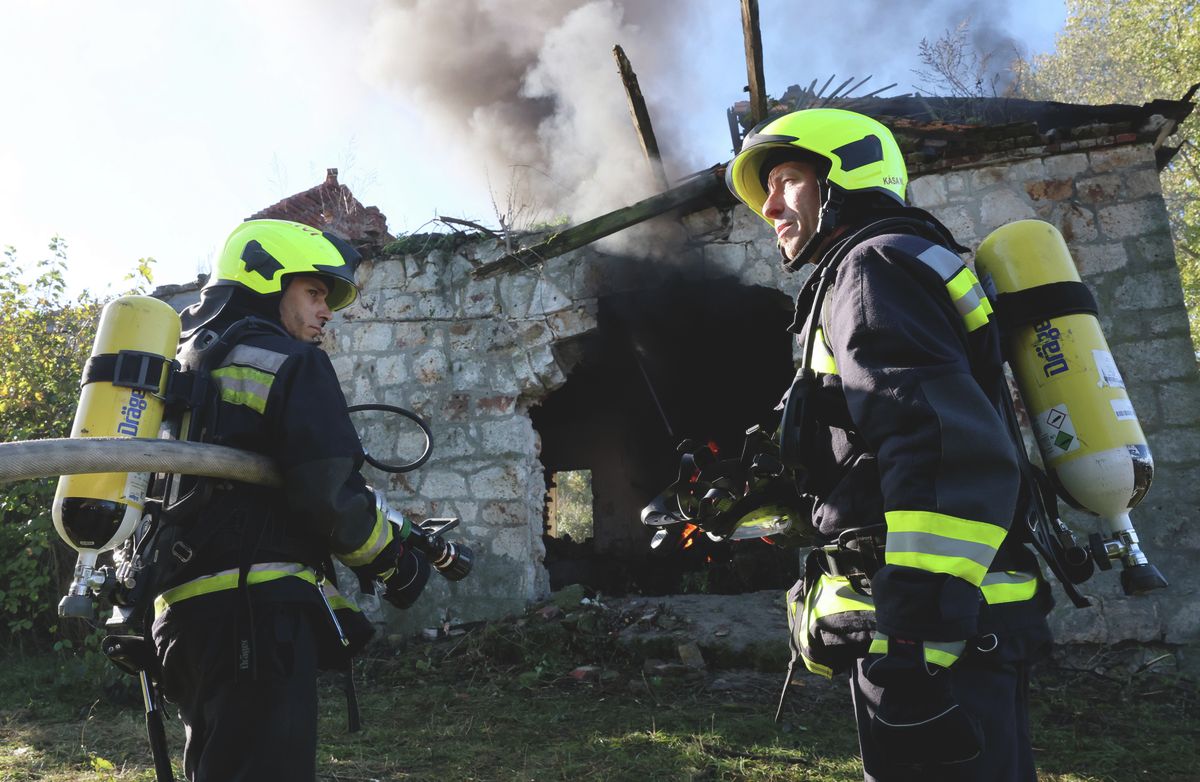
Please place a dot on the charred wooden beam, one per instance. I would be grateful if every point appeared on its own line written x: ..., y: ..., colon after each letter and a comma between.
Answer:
x: 641, y: 118
x: 754, y: 61
x: 708, y: 184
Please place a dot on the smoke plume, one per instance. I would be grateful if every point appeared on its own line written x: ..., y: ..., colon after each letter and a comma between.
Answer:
x: 525, y: 95
x: 528, y: 93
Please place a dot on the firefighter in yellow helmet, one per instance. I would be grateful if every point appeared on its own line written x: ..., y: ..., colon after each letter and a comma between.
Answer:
x: 246, y: 612
x: 929, y: 599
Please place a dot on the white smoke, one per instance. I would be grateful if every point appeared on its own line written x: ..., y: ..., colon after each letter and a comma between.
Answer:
x: 524, y: 95
x: 529, y: 92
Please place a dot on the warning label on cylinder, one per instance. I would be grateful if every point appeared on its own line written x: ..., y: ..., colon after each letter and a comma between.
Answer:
x: 1055, y: 432
x: 1106, y: 370
x: 1123, y: 410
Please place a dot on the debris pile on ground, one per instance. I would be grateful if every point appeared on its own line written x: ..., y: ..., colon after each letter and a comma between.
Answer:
x: 577, y: 637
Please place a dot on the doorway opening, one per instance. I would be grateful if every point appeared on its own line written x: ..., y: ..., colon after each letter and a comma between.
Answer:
x: 700, y: 360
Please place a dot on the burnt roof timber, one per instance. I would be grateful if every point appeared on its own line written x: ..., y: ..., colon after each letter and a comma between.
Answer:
x: 1023, y: 129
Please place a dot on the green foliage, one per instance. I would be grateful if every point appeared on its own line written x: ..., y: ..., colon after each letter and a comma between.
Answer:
x: 422, y: 243
x: 45, y: 337
x: 573, y: 504
x: 1133, y: 51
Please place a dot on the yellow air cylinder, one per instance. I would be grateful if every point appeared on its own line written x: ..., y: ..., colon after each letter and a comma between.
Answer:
x: 1087, y: 432
x: 121, y: 397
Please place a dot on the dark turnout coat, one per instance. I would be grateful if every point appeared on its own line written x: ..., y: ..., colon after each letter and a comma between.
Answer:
x: 906, y: 336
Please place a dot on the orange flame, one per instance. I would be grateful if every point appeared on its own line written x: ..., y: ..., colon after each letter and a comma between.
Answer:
x: 688, y: 531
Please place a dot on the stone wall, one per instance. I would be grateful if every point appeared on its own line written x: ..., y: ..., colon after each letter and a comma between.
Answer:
x: 475, y: 356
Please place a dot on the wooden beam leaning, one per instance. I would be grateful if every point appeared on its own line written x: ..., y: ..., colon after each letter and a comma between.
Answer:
x: 694, y: 189
x: 641, y: 118
x: 754, y: 61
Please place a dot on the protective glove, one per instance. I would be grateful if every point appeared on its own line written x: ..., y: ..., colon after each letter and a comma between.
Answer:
x: 404, y: 582
x: 400, y: 570
x: 919, y: 720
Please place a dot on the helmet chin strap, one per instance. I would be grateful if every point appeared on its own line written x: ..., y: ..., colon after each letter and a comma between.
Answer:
x: 827, y: 223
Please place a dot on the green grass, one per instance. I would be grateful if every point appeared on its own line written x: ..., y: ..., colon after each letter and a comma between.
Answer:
x: 499, y: 704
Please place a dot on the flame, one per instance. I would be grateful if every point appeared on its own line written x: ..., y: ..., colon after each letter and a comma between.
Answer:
x: 712, y: 446
x: 688, y: 531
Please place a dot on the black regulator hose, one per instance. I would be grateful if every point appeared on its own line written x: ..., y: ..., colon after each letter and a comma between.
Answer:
x: 410, y: 415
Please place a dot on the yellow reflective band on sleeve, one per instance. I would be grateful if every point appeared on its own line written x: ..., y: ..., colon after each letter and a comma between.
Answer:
x: 376, y: 542
x: 969, y: 298
x: 937, y: 543
x: 1011, y: 586
x: 821, y: 359
x: 244, y: 386
x: 976, y: 318
x: 879, y: 644
x: 228, y: 579
x: 961, y: 284
x: 943, y: 653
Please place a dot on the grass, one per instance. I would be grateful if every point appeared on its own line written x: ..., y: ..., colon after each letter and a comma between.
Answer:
x: 499, y: 703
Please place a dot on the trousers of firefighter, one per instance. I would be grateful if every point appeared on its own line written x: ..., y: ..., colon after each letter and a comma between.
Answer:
x: 1093, y: 452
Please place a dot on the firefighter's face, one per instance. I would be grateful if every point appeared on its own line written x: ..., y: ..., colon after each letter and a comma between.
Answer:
x: 793, y: 204
x: 302, y: 310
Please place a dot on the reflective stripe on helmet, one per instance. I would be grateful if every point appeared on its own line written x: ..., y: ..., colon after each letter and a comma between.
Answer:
x: 228, y: 579
x: 937, y: 543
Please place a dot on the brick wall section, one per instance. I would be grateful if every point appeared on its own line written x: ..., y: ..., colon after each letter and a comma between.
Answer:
x: 474, y: 356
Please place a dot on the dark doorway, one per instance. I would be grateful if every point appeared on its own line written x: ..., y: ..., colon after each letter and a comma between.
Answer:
x: 685, y: 360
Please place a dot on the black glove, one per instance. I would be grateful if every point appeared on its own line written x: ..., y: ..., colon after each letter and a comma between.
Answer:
x: 918, y: 721
x: 404, y: 582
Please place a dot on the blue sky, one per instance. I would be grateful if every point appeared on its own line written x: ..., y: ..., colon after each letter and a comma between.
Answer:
x: 144, y: 128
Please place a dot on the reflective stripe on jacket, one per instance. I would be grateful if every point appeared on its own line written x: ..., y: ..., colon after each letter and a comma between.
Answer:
x: 907, y: 335
x: 260, y: 573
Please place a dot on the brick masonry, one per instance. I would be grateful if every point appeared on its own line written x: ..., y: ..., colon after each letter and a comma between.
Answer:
x: 474, y: 356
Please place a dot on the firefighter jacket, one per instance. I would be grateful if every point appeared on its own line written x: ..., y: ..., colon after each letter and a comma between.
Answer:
x: 906, y: 337
x: 275, y: 395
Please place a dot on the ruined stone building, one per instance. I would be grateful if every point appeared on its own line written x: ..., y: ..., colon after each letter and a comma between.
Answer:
x: 603, y: 361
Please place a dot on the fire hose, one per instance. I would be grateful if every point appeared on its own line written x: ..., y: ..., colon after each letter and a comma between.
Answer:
x: 30, y: 459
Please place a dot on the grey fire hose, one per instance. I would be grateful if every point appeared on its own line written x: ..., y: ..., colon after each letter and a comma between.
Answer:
x: 28, y: 459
